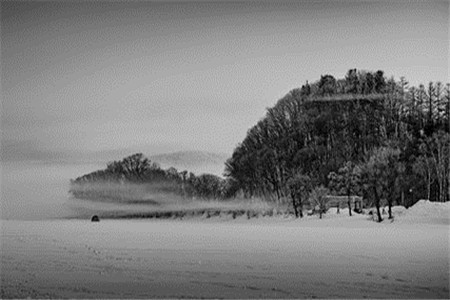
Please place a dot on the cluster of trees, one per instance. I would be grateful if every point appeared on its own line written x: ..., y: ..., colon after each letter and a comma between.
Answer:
x: 138, y: 169
x: 363, y: 134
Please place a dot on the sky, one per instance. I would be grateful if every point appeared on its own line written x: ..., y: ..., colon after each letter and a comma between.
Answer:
x: 154, y: 77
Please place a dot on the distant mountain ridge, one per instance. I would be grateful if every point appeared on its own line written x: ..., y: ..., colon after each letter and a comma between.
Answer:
x: 197, y: 162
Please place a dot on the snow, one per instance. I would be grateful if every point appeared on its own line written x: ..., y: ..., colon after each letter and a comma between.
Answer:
x: 424, y: 211
x: 336, y: 257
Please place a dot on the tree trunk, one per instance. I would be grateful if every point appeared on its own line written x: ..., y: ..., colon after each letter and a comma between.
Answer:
x: 277, y: 191
x: 301, y: 208
x: 448, y: 181
x: 390, y: 209
x: 294, y: 205
x: 377, y: 204
x: 349, y: 204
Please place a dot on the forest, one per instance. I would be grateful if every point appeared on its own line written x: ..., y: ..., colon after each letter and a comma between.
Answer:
x: 364, y: 134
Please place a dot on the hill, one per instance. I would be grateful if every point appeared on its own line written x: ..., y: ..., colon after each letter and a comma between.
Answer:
x: 197, y: 162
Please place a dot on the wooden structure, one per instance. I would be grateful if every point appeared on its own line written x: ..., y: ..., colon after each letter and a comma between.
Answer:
x: 356, y: 202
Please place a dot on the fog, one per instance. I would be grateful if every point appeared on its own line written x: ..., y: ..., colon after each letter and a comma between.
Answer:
x: 40, y: 191
x: 37, y: 190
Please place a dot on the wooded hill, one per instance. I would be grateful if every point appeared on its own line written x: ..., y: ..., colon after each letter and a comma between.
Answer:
x: 363, y: 134
x: 360, y: 135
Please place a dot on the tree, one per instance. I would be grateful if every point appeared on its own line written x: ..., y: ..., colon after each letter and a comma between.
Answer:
x: 436, y: 150
x: 318, y: 198
x: 380, y: 82
x: 352, y: 81
x: 379, y: 175
x: 135, y: 166
x: 327, y: 85
x: 229, y: 188
x: 172, y: 173
x: 346, y: 181
x: 423, y: 167
x: 431, y: 114
x: 183, y: 175
x: 299, y: 186
x: 305, y: 89
x: 447, y: 107
x: 368, y: 84
x: 208, y: 186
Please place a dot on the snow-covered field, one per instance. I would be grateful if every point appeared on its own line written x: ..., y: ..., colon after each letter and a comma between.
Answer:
x: 336, y: 257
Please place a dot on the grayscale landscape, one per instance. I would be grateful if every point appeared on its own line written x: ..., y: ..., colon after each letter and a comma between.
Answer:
x: 232, y: 150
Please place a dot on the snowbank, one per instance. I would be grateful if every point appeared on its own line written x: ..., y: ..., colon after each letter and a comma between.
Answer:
x: 424, y: 211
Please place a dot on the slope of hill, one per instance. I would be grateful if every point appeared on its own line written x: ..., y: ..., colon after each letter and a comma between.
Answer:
x: 197, y: 162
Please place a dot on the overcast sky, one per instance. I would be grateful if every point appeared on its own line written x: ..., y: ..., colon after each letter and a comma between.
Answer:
x: 162, y: 77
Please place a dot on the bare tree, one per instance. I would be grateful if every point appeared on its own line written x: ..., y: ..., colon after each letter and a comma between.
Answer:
x: 437, y: 153
x: 299, y: 186
x: 319, y: 199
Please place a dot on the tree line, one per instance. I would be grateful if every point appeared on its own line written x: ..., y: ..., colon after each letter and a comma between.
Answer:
x: 138, y: 169
x: 363, y: 134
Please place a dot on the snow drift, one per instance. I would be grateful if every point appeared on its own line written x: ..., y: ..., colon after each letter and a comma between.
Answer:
x: 424, y: 211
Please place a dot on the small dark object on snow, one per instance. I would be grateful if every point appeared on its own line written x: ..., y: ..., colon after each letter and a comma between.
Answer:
x: 95, y: 218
